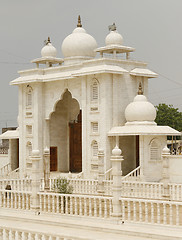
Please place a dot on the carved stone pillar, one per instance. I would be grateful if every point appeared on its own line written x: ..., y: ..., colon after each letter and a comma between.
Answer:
x: 165, y: 171
x: 46, y: 168
x: 100, y: 187
x: 35, y: 179
x: 116, y: 160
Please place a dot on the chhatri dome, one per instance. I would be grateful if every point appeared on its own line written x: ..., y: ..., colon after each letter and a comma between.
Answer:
x: 113, y: 38
x: 48, y: 50
x: 79, y: 43
x: 140, y: 110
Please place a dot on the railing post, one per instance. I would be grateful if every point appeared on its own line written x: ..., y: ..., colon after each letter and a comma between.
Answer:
x: 46, y: 168
x: 165, y: 172
x: 116, y: 160
x: 100, y: 187
x: 35, y: 180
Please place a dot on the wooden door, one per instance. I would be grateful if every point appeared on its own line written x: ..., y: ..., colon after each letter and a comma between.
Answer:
x: 75, y: 135
x: 137, y: 151
x: 53, y: 158
x: 17, y: 153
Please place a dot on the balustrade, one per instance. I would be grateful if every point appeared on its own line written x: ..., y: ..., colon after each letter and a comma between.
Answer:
x: 15, y: 199
x: 17, y: 184
x: 151, y: 211
x: 5, y: 170
x: 17, y: 234
x: 133, y: 175
x: 77, y: 205
x: 142, y: 190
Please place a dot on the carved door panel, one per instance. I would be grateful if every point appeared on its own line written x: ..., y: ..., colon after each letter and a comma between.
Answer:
x: 53, y: 158
x: 75, y: 132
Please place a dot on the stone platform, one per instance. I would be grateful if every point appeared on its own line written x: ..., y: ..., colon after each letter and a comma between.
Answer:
x: 85, y: 228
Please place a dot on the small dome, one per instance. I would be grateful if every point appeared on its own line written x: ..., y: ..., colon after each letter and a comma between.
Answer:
x: 140, y: 110
x: 79, y: 43
x: 48, y: 50
x: 114, y: 38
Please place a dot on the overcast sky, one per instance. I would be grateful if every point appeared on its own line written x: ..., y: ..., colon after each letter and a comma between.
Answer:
x: 152, y: 27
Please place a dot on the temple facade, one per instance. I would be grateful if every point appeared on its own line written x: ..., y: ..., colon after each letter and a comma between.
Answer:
x: 71, y: 107
x: 85, y: 123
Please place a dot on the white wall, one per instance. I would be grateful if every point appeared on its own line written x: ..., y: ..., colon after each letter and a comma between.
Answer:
x: 175, y: 168
x: 152, y: 169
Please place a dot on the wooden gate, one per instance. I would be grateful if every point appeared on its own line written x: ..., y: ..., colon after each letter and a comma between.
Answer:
x: 75, y: 137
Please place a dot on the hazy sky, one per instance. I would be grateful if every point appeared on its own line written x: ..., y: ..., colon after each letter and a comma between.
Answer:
x: 152, y: 27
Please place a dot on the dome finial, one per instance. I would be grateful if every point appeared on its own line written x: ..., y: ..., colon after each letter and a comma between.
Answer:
x: 112, y: 27
x: 140, y: 91
x: 79, y: 22
x: 47, y: 41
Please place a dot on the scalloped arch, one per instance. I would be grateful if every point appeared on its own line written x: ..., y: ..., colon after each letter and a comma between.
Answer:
x: 61, y: 98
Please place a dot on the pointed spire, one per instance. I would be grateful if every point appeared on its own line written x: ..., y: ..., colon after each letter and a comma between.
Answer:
x: 140, y: 90
x: 79, y: 22
x: 48, y: 40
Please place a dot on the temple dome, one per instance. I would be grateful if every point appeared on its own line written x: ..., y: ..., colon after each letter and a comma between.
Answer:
x: 114, y: 38
x: 48, y: 50
x: 79, y: 44
x: 140, y: 110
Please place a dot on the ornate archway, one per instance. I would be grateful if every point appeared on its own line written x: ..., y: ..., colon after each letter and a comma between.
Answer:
x: 65, y: 136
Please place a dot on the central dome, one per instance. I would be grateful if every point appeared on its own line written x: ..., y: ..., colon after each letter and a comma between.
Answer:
x: 79, y: 43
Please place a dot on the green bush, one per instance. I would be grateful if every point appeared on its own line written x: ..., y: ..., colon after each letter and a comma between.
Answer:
x: 62, y: 185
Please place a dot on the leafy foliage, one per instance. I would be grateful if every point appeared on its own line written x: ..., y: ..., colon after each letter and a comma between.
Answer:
x: 167, y: 115
x: 62, y: 185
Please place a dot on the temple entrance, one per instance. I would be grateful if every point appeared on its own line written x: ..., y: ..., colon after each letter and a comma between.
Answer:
x: 66, y: 135
x: 75, y: 144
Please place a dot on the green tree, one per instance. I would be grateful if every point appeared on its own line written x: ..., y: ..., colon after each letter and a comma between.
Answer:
x: 167, y: 115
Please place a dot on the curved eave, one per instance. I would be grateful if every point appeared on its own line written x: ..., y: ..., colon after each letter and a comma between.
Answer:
x: 27, y: 79
x: 143, y: 130
x: 144, y: 72
x: 100, y: 69
x: 117, y: 48
x: 68, y: 74
x: 44, y: 60
x: 10, y: 134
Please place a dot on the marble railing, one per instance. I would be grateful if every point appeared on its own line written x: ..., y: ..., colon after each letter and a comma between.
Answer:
x: 11, y: 233
x: 131, y: 189
x: 151, y: 211
x: 17, y: 184
x: 175, y: 191
x: 136, y: 210
x: 148, y: 190
x: 133, y: 175
x: 76, y: 205
x: 5, y: 170
x: 15, y: 199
